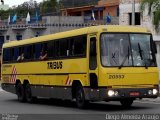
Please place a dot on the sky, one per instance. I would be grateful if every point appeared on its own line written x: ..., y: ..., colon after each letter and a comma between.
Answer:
x: 17, y: 2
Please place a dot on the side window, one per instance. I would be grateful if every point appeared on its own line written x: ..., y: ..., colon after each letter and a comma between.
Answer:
x: 44, y: 52
x: 71, y: 46
x: 51, y: 51
x: 16, y: 53
x: 6, y: 54
x: 80, y: 45
x: 33, y: 52
x: 57, y: 51
x: 64, y: 49
x: 38, y: 48
x: 12, y: 54
x: 28, y: 52
x: 44, y: 47
x: 20, y: 53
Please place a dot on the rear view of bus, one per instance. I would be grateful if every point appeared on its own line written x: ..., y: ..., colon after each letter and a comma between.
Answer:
x: 128, y: 65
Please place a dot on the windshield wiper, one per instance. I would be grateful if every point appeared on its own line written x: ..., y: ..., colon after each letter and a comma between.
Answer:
x: 124, y: 60
x: 141, y: 53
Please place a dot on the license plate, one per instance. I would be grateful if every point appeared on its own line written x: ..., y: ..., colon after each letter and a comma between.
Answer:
x: 134, y: 93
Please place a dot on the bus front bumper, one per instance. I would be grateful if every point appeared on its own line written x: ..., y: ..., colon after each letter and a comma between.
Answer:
x: 122, y: 93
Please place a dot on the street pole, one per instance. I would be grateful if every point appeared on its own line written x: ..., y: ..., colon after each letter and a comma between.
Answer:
x: 59, y: 13
x: 133, y: 12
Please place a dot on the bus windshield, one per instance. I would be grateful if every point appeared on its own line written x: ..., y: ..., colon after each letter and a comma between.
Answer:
x: 127, y: 50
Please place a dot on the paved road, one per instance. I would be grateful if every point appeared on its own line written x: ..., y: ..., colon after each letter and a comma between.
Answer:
x: 46, y: 109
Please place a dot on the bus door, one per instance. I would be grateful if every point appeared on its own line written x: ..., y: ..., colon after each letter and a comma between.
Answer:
x: 93, y: 68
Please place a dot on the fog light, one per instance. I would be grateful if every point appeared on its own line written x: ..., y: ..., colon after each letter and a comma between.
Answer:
x: 110, y: 93
x: 155, y: 91
x: 150, y: 92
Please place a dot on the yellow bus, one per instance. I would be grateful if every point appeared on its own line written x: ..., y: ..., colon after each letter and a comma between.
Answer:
x: 96, y: 63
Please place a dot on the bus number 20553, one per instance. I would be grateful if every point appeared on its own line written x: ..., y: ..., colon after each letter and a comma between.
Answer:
x: 116, y: 76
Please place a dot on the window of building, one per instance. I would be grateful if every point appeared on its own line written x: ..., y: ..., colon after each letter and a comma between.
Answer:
x: 19, y: 37
x: 137, y: 18
x: 118, y: 11
x: 7, y: 37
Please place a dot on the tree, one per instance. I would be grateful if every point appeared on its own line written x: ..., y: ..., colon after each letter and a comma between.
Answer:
x: 21, y: 10
x: 49, y: 6
x: 153, y: 7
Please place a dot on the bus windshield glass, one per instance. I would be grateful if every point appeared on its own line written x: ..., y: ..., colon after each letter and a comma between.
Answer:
x: 127, y: 50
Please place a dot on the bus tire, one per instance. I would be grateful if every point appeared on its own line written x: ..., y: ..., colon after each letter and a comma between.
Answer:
x: 20, y: 92
x: 126, y: 103
x: 28, y: 93
x: 80, y: 97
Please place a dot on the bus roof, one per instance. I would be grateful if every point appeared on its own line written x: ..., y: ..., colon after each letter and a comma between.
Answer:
x: 81, y: 31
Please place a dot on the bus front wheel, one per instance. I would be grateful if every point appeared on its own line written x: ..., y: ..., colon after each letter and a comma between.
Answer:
x: 80, y: 97
x: 126, y: 102
x: 20, y: 92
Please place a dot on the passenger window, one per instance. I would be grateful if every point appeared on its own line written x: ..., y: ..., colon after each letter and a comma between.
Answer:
x: 6, y: 55
x: 44, y: 52
x: 71, y: 46
x: 38, y: 48
x: 57, y: 51
x: 16, y: 53
x: 80, y: 45
x: 28, y: 52
x: 12, y: 54
x: 50, y: 47
x: 33, y: 52
x: 64, y: 49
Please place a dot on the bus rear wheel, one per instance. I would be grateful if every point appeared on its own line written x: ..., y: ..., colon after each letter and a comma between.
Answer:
x: 126, y: 103
x: 80, y: 98
x: 28, y: 94
x: 20, y: 92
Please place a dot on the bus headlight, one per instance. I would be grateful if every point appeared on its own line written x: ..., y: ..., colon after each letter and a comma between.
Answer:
x: 110, y: 93
x: 155, y: 91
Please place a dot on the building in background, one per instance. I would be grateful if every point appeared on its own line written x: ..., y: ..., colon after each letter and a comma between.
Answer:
x: 77, y: 3
x: 96, y: 12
